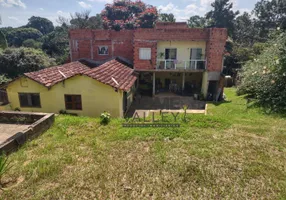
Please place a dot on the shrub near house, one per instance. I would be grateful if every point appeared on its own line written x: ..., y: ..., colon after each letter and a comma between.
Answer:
x: 265, y: 78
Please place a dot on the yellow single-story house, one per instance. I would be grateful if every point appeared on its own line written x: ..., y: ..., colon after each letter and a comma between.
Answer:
x: 75, y: 88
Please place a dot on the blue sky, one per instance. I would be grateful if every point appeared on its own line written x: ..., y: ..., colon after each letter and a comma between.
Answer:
x: 16, y: 12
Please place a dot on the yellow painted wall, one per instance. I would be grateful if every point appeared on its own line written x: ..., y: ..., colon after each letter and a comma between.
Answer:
x: 183, y: 49
x: 96, y: 97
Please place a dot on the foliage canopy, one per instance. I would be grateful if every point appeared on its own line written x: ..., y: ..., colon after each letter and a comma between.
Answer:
x: 265, y: 78
x: 16, y: 61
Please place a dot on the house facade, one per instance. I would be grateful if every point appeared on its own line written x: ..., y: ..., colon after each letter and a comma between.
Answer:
x: 169, y: 58
x: 107, y: 67
x: 75, y: 88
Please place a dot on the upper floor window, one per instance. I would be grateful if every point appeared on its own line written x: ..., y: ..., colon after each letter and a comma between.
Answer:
x: 145, y: 53
x: 170, y: 54
x: 75, y: 45
x: 196, y: 54
x: 102, y: 50
x: 73, y: 102
x: 30, y: 100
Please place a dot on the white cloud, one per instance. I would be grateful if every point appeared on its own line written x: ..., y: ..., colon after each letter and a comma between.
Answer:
x: 41, y: 9
x: 84, y: 5
x: 14, y: 18
x: 101, y: 1
x: 12, y: 3
x: 206, y: 3
x: 182, y: 14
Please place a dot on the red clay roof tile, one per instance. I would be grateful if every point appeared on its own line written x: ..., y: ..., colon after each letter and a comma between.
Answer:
x: 53, y: 75
x: 121, y: 74
x: 114, y: 72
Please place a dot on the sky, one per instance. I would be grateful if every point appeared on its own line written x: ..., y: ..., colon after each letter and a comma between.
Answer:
x: 17, y: 12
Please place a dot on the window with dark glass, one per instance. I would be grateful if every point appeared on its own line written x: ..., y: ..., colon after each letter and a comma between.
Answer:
x: 30, y: 100
x: 170, y: 54
x: 73, y: 102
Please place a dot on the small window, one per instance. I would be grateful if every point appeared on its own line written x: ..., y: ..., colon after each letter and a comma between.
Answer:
x: 73, y: 102
x: 102, y: 50
x: 196, y: 54
x: 30, y: 100
x: 145, y: 53
x: 75, y: 45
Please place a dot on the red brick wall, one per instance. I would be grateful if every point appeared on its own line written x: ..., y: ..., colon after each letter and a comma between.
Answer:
x: 195, y: 34
x: 119, y: 44
x: 145, y: 64
x: 127, y: 43
x: 171, y: 25
x: 215, y: 49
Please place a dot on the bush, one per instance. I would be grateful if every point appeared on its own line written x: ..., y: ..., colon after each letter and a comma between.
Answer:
x: 32, y: 44
x: 16, y: 61
x: 104, y: 118
x: 264, y: 79
x: 17, y: 36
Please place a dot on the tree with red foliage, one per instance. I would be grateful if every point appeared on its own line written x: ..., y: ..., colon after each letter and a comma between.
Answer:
x: 127, y: 14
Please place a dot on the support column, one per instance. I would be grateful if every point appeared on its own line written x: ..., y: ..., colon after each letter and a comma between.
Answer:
x: 183, y: 84
x: 154, y: 84
x: 205, y: 84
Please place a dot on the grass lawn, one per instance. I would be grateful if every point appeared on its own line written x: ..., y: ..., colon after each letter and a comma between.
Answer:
x: 232, y: 153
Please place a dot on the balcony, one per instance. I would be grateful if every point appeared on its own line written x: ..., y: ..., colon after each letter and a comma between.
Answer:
x: 169, y: 64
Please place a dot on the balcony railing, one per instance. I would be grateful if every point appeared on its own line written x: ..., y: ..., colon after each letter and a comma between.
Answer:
x: 177, y: 64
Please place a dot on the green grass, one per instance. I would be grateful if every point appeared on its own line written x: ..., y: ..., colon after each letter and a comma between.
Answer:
x: 234, y: 152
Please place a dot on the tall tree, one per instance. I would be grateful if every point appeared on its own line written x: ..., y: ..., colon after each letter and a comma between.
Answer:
x: 56, y: 44
x: 197, y: 22
x: 17, y: 36
x: 3, y: 41
x: 245, y: 30
x: 81, y: 20
x: 44, y: 25
x: 222, y: 15
x: 165, y: 17
x: 271, y: 14
x: 126, y: 14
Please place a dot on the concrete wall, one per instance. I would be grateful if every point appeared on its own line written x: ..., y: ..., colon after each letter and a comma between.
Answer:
x: 96, y: 97
x: 205, y: 84
x: 43, y: 123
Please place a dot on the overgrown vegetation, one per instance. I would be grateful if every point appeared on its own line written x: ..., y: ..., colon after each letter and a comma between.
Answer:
x: 4, y: 167
x: 128, y: 15
x: 235, y: 152
x: 16, y: 61
x: 264, y: 79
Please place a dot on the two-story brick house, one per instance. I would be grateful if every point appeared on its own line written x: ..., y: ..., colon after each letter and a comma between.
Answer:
x: 166, y: 60
x: 169, y: 58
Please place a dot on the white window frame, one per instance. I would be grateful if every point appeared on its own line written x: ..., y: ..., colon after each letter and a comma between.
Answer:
x: 101, y: 47
x: 75, y: 45
x: 170, y: 49
x: 141, y: 54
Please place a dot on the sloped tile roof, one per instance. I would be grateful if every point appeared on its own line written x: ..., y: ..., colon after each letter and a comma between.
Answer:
x: 53, y: 75
x: 115, y: 74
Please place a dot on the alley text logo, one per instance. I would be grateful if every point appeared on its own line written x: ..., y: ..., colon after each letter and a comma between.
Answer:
x: 161, y: 121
